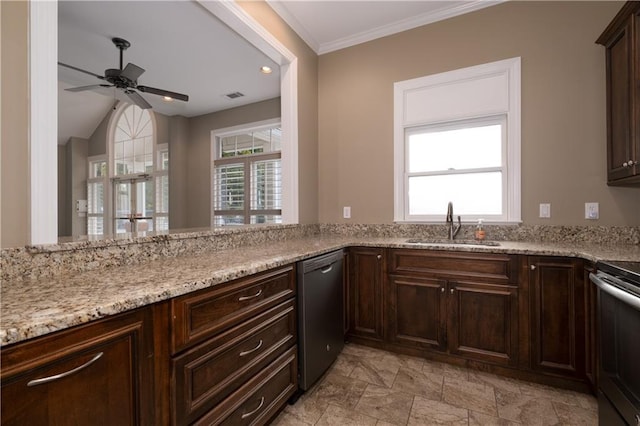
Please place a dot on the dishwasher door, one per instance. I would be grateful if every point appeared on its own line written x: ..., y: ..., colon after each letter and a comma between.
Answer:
x: 320, y: 315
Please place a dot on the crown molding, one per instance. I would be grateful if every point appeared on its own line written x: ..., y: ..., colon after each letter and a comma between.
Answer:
x: 381, y: 31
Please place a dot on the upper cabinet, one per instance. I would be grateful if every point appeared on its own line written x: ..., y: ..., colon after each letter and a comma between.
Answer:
x: 622, y: 42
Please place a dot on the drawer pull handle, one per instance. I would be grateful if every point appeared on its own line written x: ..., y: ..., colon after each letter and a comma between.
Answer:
x: 251, y: 413
x: 44, y: 380
x: 243, y: 298
x: 245, y: 353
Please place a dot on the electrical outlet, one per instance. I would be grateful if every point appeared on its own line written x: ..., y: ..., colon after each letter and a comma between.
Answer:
x: 346, y: 212
x: 591, y: 211
x: 545, y: 210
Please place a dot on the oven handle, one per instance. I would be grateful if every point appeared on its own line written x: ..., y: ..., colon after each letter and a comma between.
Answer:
x: 614, y: 291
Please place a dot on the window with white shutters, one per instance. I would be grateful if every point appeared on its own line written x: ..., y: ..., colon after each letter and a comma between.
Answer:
x: 247, y: 178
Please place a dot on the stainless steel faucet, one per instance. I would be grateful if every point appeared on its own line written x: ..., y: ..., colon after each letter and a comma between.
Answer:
x: 453, y: 231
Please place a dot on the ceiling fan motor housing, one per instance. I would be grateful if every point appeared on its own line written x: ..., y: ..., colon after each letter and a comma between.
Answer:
x: 112, y: 75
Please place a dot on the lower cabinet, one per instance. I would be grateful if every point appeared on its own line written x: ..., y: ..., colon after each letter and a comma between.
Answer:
x: 557, y: 316
x: 441, y: 301
x: 234, y: 352
x: 531, y: 317
x: 366, y: 270
x: 101, y: 373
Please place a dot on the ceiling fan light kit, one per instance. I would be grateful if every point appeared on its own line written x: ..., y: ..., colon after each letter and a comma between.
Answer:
x: 125, y: 79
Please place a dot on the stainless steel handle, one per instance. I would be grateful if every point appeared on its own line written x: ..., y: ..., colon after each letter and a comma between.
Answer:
x: 379, y: 257
x: 36, y: 382
x: 251, y: 413
x: 245, y: 353
x: 243, y: 298
x: 325, y: 271
x: 533, y: 267
x: 614, y: 291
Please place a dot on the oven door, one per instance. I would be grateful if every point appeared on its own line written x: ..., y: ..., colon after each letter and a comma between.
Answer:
x: 619, y: 369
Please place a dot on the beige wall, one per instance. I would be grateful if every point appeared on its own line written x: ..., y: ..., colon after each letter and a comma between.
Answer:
x: 563, y: 109
x: 14, y: 147
x: 307, y: 106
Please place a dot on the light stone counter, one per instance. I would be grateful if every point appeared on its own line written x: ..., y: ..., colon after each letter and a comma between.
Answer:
x: 33, y: 307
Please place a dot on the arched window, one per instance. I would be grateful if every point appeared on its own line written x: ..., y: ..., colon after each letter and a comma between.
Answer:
x: 138, y: 175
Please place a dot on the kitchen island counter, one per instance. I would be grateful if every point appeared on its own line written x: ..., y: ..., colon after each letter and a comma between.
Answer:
x: 32, y: 307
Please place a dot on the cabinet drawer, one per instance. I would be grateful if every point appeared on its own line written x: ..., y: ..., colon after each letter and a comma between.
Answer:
x: 261, y: 397
x: 486, y: 266
x: 207, y: 374
x: 198, y: 316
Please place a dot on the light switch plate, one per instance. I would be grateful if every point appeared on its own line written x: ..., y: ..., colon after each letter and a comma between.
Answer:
x: 545, y: 210
x: 346, y: 212
x: 591, y: 211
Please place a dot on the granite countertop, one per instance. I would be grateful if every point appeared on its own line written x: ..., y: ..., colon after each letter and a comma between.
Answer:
x: 32, y: 308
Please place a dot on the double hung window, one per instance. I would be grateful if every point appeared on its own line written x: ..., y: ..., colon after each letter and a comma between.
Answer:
x: 247, y: 177
x: 457, y: 139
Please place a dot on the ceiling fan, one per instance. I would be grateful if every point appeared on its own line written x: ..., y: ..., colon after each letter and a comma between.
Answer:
x: 125, y: 79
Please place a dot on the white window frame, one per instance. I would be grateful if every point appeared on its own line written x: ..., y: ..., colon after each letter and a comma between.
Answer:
x: 218, y: 134
x: 466, y: 94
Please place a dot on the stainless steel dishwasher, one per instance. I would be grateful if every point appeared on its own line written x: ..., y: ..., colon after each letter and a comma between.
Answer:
x: 320, y: 315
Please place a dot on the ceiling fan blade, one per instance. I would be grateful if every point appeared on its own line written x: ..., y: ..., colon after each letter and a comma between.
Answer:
x: 91, y: 87
x: 161, y: 92
x: 81, y: 70
x: 137, y: 99
x: 132, y: 72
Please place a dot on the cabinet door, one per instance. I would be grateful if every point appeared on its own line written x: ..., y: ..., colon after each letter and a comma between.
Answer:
x: 100, y: 374
x: 417, y: 312
x: 483, y: 321
x: 365, y: 289
x: 622, y: 41
x: 557, y: 316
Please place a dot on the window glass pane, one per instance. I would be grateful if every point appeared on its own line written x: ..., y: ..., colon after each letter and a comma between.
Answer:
x: 222, y: 220
x: 265, y: 219
x: 162, y: 194
x: 148, y: 145
x: 118, y: 150
x: 229, y: 187
x: 122, y: 199
x: 164, y: 160
x: 95, y: 225
x: 471, y: 194
x: 455, y: 149
x: 145, y: 194
x: 162, y: 223
x: 266, y: 185
x: 95, y: 198
x: 97, y: 169
x: 261, y: 141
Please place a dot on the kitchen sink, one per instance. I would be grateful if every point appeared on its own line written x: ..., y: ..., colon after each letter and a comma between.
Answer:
x: 441, y: 241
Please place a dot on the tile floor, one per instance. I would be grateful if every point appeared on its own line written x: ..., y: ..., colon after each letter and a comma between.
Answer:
x: 367, y: 386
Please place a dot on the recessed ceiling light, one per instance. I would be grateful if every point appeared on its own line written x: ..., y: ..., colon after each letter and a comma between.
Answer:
x: 167, y: 98
x: 266, y: 70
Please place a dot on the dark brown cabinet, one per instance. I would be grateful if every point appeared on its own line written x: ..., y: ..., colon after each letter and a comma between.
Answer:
x: 622, y: 42
x: 234, y: 353
x: 465, y: 304
x: 557, y: 316
x: 366, y: 275
x: 101, y: 373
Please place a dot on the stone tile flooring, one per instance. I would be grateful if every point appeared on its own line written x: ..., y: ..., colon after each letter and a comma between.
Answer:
x: 367, y: 386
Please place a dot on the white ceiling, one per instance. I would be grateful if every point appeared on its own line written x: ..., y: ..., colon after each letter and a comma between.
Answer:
x: 185, y: 49
x: 328, y: 25
x: 181, y: 45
